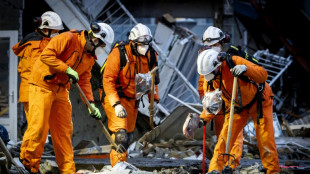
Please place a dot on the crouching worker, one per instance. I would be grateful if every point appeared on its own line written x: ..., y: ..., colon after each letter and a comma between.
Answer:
x: 253, y: 99
x: 69, y: 55
x: 120, y: 98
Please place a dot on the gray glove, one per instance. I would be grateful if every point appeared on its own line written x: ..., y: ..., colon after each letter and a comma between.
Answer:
x: 120, y: 111
x: 154, y: 109
x: 238, y: 70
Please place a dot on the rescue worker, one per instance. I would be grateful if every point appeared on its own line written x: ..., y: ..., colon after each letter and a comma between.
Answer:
x: 215, y: 67
x: 69, y: 55
x: 28, y: 50
x: 215, y: 39
x: 119, y: 102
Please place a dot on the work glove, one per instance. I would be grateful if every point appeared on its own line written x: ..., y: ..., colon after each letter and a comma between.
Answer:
x: 238, y: 70
x: 72, y: 74
x: 120, y: 111
x: 190, y: 125
x: 154, y: 110
x: 96, y: 114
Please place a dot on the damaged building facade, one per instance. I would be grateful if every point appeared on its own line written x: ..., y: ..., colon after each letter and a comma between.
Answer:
x: 177, y: 28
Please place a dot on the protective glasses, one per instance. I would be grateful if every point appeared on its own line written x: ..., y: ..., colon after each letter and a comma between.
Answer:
x: 145, y: 40
x: 95, y: 29
x: 209, y: 39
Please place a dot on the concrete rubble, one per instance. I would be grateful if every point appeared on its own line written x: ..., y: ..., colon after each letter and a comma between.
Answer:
x: 165, y: 150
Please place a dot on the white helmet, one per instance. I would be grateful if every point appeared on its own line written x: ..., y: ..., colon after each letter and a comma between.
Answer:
x: 51, y: 20
x: 141, y: 34
x: 102, y: 31
x: 212, y: 35
x: 207, y: 62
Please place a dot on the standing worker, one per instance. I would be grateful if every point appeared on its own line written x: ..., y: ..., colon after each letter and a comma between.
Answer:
x: 216, y: 39
x: 119, y: 97
x: 69, y: 55
x: 254, y: 101
x: 28, y: 50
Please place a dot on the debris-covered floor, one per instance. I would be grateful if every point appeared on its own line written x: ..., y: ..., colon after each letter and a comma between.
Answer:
x: 165, y: 150
x: 172, y: 156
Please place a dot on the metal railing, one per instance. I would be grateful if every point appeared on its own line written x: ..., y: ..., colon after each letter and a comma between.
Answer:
x: 276, y: 66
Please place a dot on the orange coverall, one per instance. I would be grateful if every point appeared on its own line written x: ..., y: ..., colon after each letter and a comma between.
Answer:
x: 264, y: 130
x: 28, y: 50
x: 49, y: 98
x: 138, y: 64
x: 219, y: 121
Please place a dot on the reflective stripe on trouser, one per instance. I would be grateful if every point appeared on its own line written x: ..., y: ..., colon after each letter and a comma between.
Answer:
x: 115, y: 123
x: 49, y: 110
x: 25, y: 138
x: 264, y: 136
x: 237, y: 147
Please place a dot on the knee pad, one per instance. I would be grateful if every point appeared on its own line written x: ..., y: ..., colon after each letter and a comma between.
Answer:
x: 121, y: 137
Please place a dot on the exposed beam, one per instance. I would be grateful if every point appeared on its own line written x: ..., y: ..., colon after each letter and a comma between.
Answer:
x: 296, y: 52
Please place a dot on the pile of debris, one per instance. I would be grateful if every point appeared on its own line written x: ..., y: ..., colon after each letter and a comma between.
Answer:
x: 172, y: 149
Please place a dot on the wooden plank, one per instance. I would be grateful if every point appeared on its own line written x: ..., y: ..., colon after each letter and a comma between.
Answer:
x: 294, y: 127
x: 288, y: 129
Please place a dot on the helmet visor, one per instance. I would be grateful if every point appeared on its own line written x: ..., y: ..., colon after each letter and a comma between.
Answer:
x: 144, y: 39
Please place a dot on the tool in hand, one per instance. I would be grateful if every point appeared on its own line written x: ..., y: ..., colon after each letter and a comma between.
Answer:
x: 204, y: 131
x: 227, y: 169
x: 151, y: 106
x: 119, y: 148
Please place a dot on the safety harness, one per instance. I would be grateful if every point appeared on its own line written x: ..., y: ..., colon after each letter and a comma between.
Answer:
x: 260, y: 87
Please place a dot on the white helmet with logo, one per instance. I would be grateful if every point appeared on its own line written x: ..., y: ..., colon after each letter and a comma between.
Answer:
x: 51, y: 20
x: 212, y: 35
x: 207, y: 62
x: 141, y: 34
x: 102, y: 31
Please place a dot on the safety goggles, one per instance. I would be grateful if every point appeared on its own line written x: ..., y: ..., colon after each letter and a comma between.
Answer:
x: 96, y: 29
x: 145, y: 40
x: 103, y: 35
x: 209, y: 39
x: 94, y: 33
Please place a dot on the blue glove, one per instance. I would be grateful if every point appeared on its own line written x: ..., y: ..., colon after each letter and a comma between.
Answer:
x: 96, y: 114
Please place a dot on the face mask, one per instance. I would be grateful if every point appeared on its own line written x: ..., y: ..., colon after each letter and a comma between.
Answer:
x: 54, y: 34
x: 99, y: 51
x: 217, y: 49
x: 142, y: 49
x: 209, y: 77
